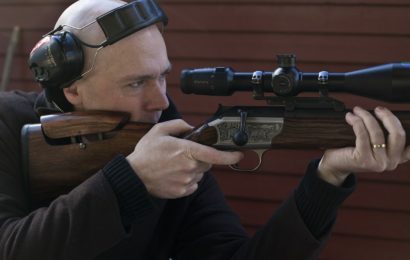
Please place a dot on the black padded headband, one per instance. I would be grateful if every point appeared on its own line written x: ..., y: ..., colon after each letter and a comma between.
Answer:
x: 125, y: 20
x: 130, y: 18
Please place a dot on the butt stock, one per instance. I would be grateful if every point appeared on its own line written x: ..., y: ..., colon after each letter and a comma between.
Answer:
x: 66, y: 149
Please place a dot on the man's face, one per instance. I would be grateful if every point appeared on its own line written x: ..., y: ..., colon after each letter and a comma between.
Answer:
x: 129, y: 76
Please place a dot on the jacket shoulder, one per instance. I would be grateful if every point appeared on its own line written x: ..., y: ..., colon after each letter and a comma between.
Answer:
x: 18, y: 107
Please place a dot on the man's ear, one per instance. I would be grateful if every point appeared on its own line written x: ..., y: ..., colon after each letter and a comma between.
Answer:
x: 73, y: 96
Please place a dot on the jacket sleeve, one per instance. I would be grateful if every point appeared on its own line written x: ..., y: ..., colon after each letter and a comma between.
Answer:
x: 212, y: 231
x: 74, y: 226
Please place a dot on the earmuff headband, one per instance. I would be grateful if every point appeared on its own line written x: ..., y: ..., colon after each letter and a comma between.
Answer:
x: 130, y: 18
x: 123, y: 21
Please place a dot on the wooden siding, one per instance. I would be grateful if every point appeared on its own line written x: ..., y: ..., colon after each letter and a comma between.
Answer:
x: 333, y: 35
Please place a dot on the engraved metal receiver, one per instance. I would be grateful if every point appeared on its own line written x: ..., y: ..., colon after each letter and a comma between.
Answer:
x: 240, y: 128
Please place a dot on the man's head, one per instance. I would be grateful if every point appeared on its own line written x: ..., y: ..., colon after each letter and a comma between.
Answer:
x: 128, y: 75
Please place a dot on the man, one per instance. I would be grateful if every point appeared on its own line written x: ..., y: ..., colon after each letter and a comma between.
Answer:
x: 159, y: 202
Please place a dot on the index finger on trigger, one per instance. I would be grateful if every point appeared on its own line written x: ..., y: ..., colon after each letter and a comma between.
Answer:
x: 211, y: 155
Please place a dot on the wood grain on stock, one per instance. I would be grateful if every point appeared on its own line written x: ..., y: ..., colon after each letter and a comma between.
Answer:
x: 324, y: 131
x: 56, y: 169
x: 82, y: 123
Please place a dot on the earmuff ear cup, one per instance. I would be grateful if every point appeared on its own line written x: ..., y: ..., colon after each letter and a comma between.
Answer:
x: 57, y: 60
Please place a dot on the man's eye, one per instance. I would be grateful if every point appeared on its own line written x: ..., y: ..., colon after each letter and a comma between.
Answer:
x: 163, y: 77
x: 137, y: 84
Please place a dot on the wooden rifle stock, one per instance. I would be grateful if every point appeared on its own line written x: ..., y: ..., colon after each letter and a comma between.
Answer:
x: 54, y: 167
x: 66, y: 149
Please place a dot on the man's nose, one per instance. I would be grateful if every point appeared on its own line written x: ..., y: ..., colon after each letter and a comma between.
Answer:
x: 156, y: 99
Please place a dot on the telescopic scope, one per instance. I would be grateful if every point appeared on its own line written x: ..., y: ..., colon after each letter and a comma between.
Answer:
x: 387, y: 82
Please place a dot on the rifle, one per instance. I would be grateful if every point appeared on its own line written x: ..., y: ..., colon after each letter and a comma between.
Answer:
x: 80, y: 143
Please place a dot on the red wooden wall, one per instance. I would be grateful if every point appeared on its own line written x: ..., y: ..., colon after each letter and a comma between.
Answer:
x: 333, y: 35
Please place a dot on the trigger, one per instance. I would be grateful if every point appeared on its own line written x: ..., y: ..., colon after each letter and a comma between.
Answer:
x: 260, y: 153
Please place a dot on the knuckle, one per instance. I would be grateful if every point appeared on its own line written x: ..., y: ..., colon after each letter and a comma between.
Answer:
x: 379, y: 134
x: 187, y: 180
x: 392, y: 166
x: 179, y: 121
x: 199, y: 177
x: 183, y: 179
x: 181, y: 191
x: 381, y: 166
x: 187, y: 190
x: 365, y: 161
x: 188, y: 151
x: 369, y: 164
x: 156, y: 127
x: 357, y: 121
x: 191, y: 166
x: 400, y: 133
x: 378, y: 170
x: 191, y: 189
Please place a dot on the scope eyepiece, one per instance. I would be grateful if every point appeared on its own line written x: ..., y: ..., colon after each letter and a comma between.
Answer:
x: 207, y: 81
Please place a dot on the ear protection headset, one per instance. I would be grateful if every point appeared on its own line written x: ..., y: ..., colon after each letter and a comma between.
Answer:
x: 57, y: 60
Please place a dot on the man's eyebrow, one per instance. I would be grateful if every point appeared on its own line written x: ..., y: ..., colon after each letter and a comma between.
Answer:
x: 148, y: 76
x: 168, y: 69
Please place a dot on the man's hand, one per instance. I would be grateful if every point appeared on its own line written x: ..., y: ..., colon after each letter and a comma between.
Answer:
x: 373, y: 152
x: 171, y: 167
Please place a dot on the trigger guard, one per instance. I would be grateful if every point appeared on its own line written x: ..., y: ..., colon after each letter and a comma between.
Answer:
x: 259, y: 153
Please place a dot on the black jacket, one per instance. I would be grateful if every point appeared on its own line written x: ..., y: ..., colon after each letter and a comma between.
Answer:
x: 112, y: 216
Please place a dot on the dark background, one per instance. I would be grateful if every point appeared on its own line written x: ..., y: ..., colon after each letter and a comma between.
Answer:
x: 333, y: 35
